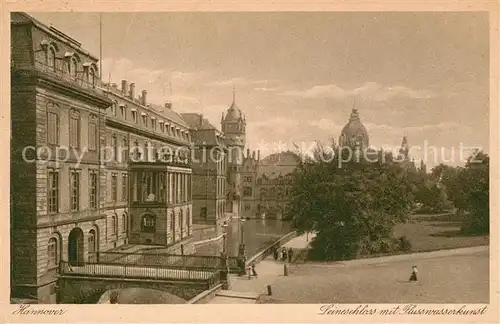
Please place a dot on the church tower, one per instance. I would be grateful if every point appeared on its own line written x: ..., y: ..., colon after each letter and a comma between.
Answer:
x: 233, y: 126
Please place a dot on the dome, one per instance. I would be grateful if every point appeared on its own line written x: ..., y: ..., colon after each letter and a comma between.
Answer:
x: 233, y: 113
x: 354, y: 132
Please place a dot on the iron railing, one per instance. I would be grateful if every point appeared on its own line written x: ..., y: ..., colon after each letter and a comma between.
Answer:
x: 159, y: 259
x: 269, y: 250
x: 112, y: 270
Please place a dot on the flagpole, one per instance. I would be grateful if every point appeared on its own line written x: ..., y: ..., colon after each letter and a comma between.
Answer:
x: 100, y: 43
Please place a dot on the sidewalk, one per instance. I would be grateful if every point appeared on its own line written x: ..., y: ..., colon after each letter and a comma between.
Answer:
x: 268, y: 270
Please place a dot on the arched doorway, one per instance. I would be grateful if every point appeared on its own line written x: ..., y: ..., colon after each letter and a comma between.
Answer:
x: 75, y: 246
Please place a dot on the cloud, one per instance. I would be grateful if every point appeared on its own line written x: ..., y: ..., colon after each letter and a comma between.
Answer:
x: 264, y: 89
x: 369, y: 91
x: 159, y: 83
x: 239, y: 81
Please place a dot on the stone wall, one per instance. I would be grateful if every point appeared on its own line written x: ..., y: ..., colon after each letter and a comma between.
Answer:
x: 82, y: 290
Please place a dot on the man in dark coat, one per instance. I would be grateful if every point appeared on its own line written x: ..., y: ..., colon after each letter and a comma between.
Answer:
x: 290, y: 255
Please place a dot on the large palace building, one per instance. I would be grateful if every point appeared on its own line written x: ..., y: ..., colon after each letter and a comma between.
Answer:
x: 93, y: 167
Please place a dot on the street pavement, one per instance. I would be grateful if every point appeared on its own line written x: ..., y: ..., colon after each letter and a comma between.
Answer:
x: 447, y: 276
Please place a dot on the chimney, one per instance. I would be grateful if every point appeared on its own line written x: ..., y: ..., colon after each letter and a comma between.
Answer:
x: 248, y: 153
x: 132, y: 91
x: 124, y: 87
x: 144, y: 97
x: 253, y: 155
x: 258, y: 155
x: 168, y: 105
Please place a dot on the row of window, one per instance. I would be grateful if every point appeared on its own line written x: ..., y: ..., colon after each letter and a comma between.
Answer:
x: 154, y: 186
x: 150, y: 153
x: 74, y: 129
x: 69, y: 64
x: 114, y: 224
x: 114, y: 187
x: 271, y: 192
x: 53, y: 185
x: 150, y: 122
x: 148, y: 222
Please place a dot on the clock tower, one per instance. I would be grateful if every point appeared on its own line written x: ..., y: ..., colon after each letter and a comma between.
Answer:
x: 233, y: 125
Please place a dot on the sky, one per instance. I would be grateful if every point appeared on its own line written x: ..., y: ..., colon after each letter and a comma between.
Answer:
x: 298, y: 75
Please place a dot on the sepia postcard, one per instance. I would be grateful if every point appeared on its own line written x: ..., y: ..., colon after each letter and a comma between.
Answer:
x: 306, y: 163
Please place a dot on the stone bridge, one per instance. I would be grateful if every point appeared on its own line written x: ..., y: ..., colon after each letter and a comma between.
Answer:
x: 88, y: 290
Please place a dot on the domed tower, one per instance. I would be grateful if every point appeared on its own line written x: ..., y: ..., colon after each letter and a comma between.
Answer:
x: 354, y: 134
x: 233, y: 126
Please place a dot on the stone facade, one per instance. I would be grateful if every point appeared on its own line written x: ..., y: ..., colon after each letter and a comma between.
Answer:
x: 54, y: 83
x: 209, y: 172
x: 69, y: 197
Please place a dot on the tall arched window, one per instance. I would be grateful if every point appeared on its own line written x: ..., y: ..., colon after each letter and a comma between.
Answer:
x: 92, y: 246
x: 92, y: 241
x: 74, y: 68
x: 53, y: 252
x: 92, y: 76
x: 148, y: 223
x: 114, y: 225
x: 51, y: 58
x: 124, y: 223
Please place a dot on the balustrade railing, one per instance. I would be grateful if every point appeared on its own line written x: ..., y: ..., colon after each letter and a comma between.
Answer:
x: 82, y: 78
x: 159, y: 259
x: 138, y: 272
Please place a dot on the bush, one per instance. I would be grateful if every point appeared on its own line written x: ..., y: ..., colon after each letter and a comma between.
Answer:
x: 404, y: 244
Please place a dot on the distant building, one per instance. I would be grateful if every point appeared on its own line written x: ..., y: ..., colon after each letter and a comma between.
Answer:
x: 274, y: 183
x: 209, y: 171
x: 148, y: 169
x: 234, y: 128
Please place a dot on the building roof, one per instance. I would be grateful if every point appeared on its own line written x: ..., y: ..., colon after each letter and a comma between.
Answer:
x: 278, y: 164
x: 170, y: 114
x: 196, y: 121
x: 204, y: 132
x: 233, y: 113
x: 24, y: 18
x: 354, y: 131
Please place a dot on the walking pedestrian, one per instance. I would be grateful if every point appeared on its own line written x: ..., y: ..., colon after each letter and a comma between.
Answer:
x: 283, y: 254
x: 414, y: 271
x: 275, y: 253
x: 290, y: 255
x: 254, y: 273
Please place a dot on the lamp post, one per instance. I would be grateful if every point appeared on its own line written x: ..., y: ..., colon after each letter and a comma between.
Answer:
x: 241, y: 248
x: 224, y: 238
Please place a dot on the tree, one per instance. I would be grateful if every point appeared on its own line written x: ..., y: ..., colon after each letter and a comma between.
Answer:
x: 448, y: 176
x: 474, y: 189
x: 351, y: 206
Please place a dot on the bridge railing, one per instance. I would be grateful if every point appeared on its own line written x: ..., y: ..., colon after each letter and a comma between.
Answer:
x: 159, y: 259
x: 113, y: 270
x: 269, y: 250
